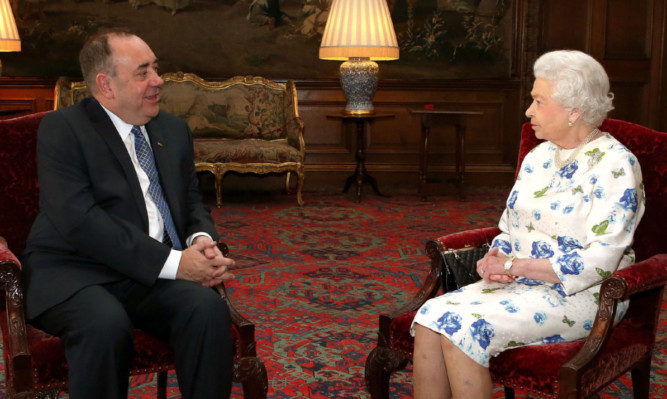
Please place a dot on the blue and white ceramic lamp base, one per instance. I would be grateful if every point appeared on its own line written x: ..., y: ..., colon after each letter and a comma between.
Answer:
x: 359, y: 80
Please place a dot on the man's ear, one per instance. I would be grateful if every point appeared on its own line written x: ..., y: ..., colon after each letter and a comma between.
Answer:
x: 103, y: 82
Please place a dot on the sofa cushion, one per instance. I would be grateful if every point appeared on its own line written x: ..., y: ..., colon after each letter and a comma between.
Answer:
x: 244, y: 151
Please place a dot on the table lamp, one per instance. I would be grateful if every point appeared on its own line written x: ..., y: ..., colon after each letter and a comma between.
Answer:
x: 359, y: 32
x: 9, y: 35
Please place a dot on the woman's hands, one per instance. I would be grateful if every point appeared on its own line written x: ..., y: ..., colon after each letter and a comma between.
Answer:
x: 492, y: 267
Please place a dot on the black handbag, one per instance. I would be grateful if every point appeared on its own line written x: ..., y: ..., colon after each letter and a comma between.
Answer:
x: 459, y: 266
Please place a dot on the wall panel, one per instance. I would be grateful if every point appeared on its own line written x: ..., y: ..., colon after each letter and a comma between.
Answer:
x: 627, y: 38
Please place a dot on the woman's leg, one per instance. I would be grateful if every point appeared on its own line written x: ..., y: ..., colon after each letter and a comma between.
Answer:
x: 429, y: 370
x: 468, y: 378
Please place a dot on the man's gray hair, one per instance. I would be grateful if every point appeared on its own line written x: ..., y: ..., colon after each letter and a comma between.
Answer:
x: 97, y: 56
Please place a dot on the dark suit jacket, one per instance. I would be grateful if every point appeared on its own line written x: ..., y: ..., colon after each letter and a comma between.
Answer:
x: 93, y: 227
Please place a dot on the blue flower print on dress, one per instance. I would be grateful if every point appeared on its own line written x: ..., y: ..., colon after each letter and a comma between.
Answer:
x: 571, y: 263
x: 559, y: 289
x: 554, y: 205
x: 546, y: 164
x: 509, y: 306
x: 515, y: 219
x: 530, y: 282
x: 540, y: 318
x: 598, y: 192
x: 537, y: 215
x: 568, y: 209
x: 553, y: 339
x: 425, y: 309
x: 588, y: 325
x: 512, y: 199
x: 503, y: 245
x: 528, y: 168
x: 541, y: 250
x: 568, y: 244
x: 517, y: 245
x: 593, y: 179
x: 568, y: 170
x: 629, y: 200
x: 482, y: 332
x: 451, y: 322
x: 554, y: 301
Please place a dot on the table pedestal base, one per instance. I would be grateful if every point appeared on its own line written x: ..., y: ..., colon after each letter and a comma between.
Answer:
x: 360, y: 175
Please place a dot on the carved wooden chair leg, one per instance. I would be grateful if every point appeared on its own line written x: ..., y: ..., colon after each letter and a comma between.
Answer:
x: 380, y: 364
x: 641, y: 378
x: 162, y: 385
x: 251, y: 373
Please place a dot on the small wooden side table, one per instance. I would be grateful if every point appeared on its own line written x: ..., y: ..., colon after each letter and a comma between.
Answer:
x: 360, y: 175
x: 458, y: 119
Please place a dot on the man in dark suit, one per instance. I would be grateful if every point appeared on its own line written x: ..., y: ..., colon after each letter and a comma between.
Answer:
x: 122, y: 240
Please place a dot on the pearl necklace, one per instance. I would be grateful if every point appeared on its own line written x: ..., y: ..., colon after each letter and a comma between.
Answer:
x: 561, y: 164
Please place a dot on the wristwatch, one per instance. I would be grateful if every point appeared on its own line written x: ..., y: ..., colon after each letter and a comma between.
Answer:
x: 508, y: 265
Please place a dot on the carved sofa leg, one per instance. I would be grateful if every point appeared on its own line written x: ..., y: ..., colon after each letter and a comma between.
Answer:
x: 301, y: 178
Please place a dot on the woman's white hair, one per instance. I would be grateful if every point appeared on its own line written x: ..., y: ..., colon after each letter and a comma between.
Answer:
x: 579, y: 83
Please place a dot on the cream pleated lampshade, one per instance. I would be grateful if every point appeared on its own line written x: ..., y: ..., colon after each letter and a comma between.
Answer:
x: 9, y: 35
x: 359, y: 28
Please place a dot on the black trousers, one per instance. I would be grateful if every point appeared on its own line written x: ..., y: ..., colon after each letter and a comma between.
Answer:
x: 96, y: 327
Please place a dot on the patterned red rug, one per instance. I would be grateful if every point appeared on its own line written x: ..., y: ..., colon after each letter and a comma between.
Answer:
x: 314, y: 280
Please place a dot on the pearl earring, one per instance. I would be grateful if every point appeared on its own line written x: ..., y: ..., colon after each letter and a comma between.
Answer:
x: 569, y: 123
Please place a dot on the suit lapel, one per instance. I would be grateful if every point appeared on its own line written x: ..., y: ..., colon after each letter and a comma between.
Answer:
x: 106, y: 129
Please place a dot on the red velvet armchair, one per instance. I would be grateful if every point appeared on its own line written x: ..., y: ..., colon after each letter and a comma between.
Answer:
x: 573, y: 369
x: 35, y: 364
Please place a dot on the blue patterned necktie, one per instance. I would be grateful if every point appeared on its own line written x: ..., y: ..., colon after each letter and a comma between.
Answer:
x: 147, y: 162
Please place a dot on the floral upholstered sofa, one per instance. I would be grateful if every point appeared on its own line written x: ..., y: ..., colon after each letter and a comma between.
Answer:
x: 246, y: 124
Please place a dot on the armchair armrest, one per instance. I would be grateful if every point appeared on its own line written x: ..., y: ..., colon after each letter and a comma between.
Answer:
x: 640, y: 277
x: 433, y: 281
x: 434, y: 249
x: 648, y: 276
x: 246, y: 328
x: 19, y: 363
x: 293, y: 122
x: 469, y: 238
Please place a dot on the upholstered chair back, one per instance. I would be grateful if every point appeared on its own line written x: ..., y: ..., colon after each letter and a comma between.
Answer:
x: 19, y: 201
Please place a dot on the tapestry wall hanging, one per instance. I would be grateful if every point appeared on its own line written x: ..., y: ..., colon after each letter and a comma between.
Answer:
x: 278, y: 39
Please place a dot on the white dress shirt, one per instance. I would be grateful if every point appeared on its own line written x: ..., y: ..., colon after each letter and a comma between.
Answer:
x: 155, y: 223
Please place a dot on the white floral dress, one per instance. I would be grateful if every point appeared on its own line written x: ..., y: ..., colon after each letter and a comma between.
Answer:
x: 582, y: 218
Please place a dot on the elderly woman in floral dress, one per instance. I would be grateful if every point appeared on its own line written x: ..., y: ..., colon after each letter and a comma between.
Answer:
x: 569, y: 223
